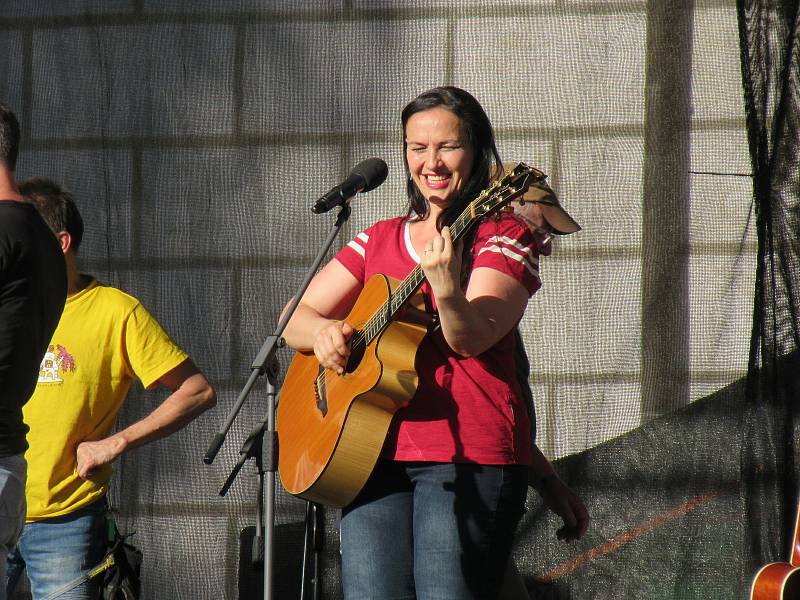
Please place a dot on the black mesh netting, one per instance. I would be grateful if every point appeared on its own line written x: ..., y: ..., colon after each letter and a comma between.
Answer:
x: 197, y: 134
x: 770, y: 67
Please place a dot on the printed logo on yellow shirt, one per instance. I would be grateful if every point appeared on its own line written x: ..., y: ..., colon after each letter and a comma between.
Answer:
x: 57, y: 360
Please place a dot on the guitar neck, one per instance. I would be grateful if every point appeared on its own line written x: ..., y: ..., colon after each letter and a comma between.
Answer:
x: 411, y: 283
x: 384, y: 315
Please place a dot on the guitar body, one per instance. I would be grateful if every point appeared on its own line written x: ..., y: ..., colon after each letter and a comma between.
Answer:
x: 776, y: 581
x: 780, y: 581
x: 332, y: 427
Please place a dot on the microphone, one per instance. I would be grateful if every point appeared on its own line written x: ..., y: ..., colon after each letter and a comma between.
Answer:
x: 365, y: 177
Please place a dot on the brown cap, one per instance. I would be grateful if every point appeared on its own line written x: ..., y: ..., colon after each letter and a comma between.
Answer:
x: 551, y: 208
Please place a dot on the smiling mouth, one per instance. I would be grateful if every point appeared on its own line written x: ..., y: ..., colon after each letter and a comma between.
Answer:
x: 437, y: 181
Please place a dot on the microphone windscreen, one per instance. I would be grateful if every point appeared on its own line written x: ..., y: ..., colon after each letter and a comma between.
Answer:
x: 374, y: 172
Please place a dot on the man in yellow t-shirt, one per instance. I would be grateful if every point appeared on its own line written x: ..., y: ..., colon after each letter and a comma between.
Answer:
x: 104, y: 341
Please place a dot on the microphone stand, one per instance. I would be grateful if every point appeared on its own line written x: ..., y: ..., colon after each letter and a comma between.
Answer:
x: 265, y: 363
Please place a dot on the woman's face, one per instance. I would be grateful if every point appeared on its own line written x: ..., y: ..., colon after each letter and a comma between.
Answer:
x: 439, y: 158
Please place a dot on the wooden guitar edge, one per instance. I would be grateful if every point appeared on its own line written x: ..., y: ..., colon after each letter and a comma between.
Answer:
x: 770, y: 582
x: 369, y: 416
x: 354, y: 457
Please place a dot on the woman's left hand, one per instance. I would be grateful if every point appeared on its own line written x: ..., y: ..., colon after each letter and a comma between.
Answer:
x: 441, y: 263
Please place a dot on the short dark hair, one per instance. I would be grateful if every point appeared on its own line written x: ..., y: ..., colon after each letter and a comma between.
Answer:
x: 9, y: 136
x: 480, y: 136
x: 56, y: 206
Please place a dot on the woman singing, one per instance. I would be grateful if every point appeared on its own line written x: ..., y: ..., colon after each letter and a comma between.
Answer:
x: 437, y: 517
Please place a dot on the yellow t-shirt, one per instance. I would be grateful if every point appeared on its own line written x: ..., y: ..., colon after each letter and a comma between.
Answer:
x: 104, y: 340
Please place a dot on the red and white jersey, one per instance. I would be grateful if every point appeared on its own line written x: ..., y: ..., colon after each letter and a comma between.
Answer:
x: 465, y: 409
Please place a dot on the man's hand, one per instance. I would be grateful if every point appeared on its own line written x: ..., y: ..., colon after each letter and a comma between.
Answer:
x: 564, y: 502
x: 191, y: 395
x: 530, y: 212
x: 92, y: 455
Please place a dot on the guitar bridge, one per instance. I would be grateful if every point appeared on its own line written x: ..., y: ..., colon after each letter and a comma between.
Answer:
x: 320, y: 392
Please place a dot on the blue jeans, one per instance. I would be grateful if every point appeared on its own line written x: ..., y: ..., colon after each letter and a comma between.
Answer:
x: 57, y: 553
x: 12, y: 507
x: 431, y: 531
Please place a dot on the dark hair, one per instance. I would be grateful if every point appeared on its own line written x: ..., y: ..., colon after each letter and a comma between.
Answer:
x: 479, y: 134
x: 9, y: 137
x: 56, y: 206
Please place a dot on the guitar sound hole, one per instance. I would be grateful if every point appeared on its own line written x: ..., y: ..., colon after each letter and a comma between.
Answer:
x: 357, y: 350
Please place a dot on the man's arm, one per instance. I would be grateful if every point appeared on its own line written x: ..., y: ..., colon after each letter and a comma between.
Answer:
x: 558, y: 497
x: 191, y: 395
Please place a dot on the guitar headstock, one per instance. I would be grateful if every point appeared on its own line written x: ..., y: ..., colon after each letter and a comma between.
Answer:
x: 503, y: 190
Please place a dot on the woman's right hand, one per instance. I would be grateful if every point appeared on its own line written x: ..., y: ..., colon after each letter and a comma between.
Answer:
x: 332, y: 345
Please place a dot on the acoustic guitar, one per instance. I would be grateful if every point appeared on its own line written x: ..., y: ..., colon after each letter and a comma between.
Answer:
x: 332, y: 427
x: 780, y: 581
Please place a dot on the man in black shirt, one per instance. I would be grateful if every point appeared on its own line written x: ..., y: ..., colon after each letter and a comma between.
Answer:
x: 33, y: 287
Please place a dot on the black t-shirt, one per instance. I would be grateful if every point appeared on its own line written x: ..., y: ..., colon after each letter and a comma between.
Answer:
x: 33, y: 288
